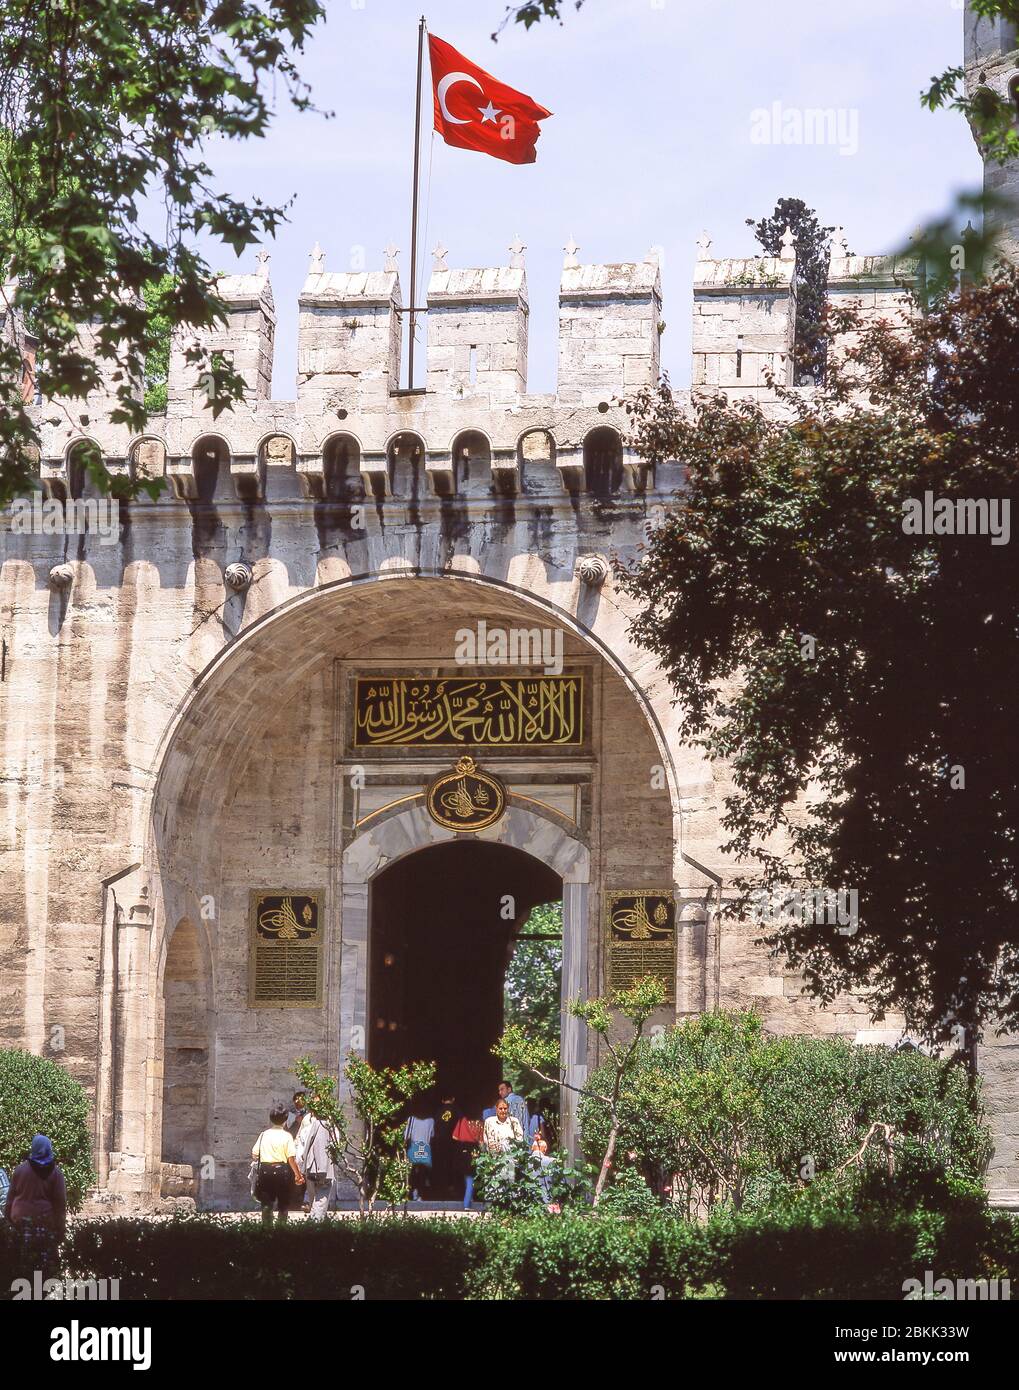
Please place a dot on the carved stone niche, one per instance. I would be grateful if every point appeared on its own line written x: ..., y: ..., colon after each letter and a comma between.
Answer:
x: 278, y: 451
x: 148, y: 459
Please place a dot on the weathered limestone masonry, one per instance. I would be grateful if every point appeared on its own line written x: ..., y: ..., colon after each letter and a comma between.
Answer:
x: 178, y: 707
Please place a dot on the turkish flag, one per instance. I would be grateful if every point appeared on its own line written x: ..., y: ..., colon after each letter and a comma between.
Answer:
x: 476, y: 112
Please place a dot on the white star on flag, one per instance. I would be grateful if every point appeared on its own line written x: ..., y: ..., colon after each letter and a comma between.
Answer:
x: 489, y: 113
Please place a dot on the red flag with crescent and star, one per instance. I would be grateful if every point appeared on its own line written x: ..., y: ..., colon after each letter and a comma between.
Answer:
x: 474, y: 111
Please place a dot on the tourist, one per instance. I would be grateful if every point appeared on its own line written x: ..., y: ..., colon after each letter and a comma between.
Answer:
x: 544, y: 1166
x: 37, y: 1204
x: 502, y: 1130
x: 296, y: 1118
x: 418, y: 1134
x: 313, y: 1146
x: 536, y: 1126
x: 444, y: 1172
x: 517, y: 1105
x: 298, y: 1111
x: 278, y: 1174
x: 466, y: 1140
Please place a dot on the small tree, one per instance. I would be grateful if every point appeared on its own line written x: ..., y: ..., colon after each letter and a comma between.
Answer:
x: 541, y: 1057
x: 736, y: 1117
x: 371, y: 1153
x: 39, y: 1097
x: 813, y: 256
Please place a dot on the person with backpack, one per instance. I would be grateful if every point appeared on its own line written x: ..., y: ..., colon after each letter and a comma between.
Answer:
x: 36, y: 1204
x: 277, y: 1172
x: 418, y: 1135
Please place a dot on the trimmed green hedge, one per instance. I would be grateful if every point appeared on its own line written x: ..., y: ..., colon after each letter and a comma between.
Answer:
x: 39, y: 1097
x: 811, y: 1254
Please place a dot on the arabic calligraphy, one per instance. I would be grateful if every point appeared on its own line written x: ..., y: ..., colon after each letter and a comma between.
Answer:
x: 442, y: 712
x: 285, y: 962
x: 641, y: 939
x: 630, y: 920
x: 467, y: 798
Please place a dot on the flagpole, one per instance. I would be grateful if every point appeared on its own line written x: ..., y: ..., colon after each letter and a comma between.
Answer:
x: 414, y: 207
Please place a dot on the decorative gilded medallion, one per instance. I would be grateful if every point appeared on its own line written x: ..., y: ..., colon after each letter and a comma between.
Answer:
x: 466, y: 799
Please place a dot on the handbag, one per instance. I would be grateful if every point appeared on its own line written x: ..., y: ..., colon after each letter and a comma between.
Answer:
x: 253, y: 1170
x: 419, y: 1151
x: 467, y: 1131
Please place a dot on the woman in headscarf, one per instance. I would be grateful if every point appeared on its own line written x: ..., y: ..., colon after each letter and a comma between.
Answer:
x: 37, y: 1204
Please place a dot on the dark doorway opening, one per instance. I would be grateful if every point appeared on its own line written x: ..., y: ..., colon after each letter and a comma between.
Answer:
x: 444, y: 924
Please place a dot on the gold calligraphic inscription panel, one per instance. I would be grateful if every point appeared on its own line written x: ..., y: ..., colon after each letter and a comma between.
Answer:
x: 486, y: 712
x: 285, y: 950
x: 640, y: 932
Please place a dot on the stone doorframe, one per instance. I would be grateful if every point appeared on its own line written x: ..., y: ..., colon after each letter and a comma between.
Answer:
x: 403, y: 832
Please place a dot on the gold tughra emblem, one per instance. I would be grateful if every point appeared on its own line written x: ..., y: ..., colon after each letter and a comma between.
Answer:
x: 632, y: 921
x: 277, y: 920
x: 466, y: 798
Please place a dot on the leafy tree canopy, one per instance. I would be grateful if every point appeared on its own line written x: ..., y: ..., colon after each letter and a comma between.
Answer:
x: 106, y: 110
x: 854, y: 663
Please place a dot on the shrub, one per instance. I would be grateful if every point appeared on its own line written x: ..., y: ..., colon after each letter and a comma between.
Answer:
x: 731, y: 1116
x: 517, y: 1183
x: 38, y: 1097
x: 811, y: 1252
x: 208, y: 1257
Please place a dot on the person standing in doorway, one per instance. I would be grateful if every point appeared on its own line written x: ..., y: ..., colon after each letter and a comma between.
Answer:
x: 278, y: 1174
x: 443, y: 1174
x: 418, y: 1134
x: 466, y: 1142
x: 517, y: 1106
x: 502, y: 1130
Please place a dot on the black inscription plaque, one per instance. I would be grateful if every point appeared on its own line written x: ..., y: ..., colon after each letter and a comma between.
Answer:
x: 285, y: 958
x: 470, y: 712
x: 640, y: 928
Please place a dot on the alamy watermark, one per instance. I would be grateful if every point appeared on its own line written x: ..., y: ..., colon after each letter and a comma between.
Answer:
x: 959, y: 516
x: 833, y: 907
x: 958, y: 1290
x: 510, y: 646
x: 46, y: 516
x: 778, y: 124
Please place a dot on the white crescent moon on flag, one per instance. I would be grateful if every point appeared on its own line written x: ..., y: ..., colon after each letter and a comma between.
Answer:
x: 444, y: 86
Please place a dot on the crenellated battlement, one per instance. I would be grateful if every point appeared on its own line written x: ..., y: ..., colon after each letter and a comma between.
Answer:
x: 472, y: 428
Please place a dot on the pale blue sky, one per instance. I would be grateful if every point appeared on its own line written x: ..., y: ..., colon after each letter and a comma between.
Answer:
x: 650, y: 142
